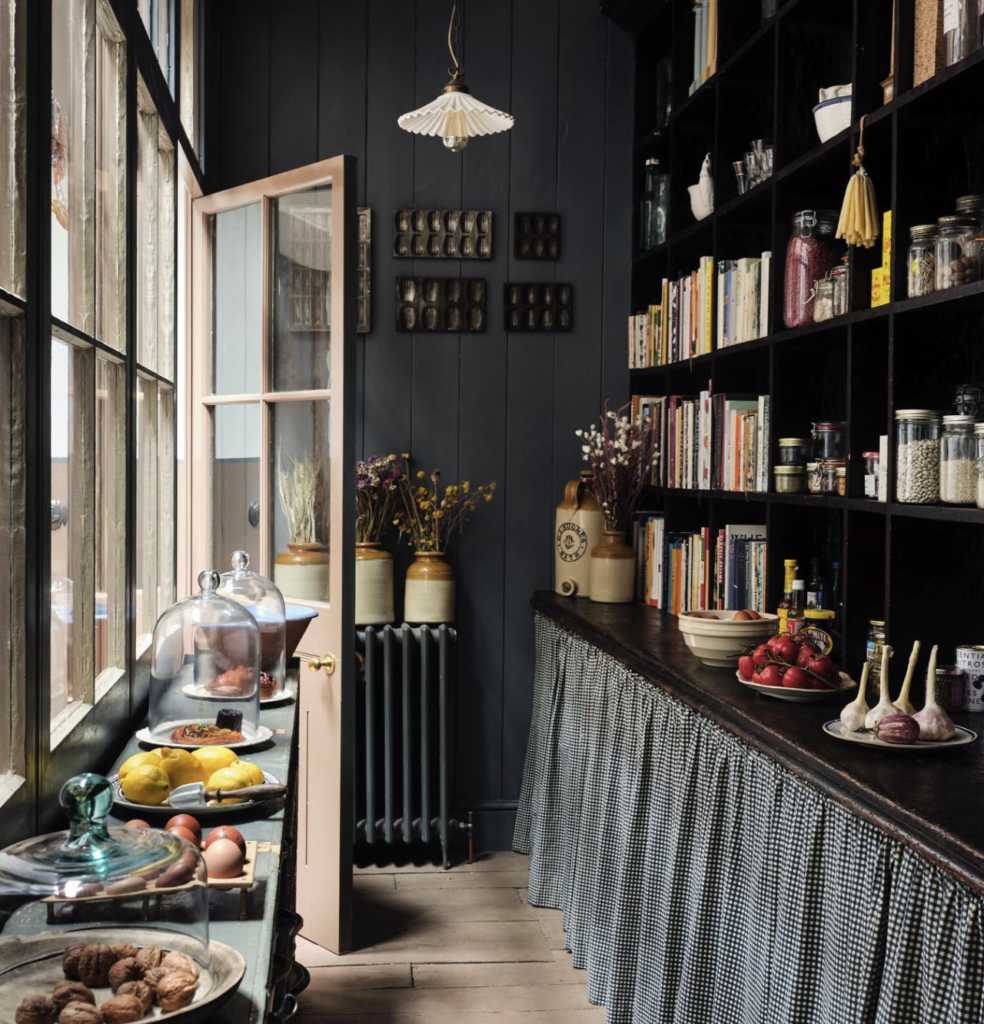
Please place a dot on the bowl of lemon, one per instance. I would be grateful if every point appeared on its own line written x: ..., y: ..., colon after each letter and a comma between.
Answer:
x: 144, y: 781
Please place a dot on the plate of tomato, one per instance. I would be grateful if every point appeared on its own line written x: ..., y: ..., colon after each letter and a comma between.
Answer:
x: 788, y: 668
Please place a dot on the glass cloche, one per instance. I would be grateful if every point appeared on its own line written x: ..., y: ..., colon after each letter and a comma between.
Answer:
x: 205, y: 673
x: 266, y: 605
x: 84, y: 911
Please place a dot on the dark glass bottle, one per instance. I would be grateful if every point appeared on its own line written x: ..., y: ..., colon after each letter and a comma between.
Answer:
x: 816, y: 588
x: 835, y: 602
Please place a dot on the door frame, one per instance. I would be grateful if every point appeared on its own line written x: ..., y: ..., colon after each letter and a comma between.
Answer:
x: 326, y: 703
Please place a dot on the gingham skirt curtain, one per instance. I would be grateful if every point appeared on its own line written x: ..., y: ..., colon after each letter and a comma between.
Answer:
x: 702, y: 883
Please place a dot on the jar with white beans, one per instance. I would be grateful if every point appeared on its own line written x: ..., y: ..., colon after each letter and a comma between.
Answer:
x: 917, y: 456
x: 958, y: 464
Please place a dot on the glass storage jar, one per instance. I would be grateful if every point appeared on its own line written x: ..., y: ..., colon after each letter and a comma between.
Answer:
x: 961, y: 29
x: 810, y: 255
x: 829, y: 440
x: 793, y: 451
x: 873, y: 648
x: 979, y: 441
x: 823, y: 301
x: 842, y: 480
x: 972, y: 207
x: 814, y: 477
x: 790, y: 479
x: 968, y: 400
x: 958, y: 461
x: 922, y: 260
x: 839, y: 276
x: 872, y: 464
x: 958, y: 252
x: 917, y: 456
x: 833, y: 477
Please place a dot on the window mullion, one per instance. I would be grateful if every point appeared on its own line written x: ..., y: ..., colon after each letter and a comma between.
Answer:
x: 81, y: 171
x: 82, y: 487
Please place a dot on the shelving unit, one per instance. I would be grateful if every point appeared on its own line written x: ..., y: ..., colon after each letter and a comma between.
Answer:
x: 915, y: 566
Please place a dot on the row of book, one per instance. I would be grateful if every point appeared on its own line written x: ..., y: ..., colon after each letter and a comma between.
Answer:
x: 700, y: 570
x: 705, y: 42
x: 709, y: 441
x: 723, y: 306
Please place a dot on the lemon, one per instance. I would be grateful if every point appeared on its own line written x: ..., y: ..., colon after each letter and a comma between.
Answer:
x: 144, y: 757
x: 183, y: 767
x: 254, y: 772
x: 215, y: 758
x: 146, y: 784
x: 229, y: 778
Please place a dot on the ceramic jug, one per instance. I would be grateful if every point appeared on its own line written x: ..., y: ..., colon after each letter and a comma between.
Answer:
x: 578, y: 528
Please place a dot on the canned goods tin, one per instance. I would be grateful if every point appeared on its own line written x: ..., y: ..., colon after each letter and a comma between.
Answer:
x: 949, y: 687
x: 970, y: 658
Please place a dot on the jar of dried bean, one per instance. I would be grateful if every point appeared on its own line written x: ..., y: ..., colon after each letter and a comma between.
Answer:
x: 958, y: 252
x: 823, y: 301
x: 922, y: 259
x: 810, y: 255
x: 979, y: 441
x: 917, y: 456
x: 958, y: 461
x: 839, y: 276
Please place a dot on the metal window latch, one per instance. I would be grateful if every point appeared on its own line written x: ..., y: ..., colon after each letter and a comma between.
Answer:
x: 326, y: 662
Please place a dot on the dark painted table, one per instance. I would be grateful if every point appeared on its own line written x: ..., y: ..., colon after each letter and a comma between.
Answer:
x: 933, y: 803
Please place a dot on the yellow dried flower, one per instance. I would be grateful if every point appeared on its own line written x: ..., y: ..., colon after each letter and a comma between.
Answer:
x: 420, y: 474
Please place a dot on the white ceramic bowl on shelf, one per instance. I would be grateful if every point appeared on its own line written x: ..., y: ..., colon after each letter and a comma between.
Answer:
x: 718, y: 640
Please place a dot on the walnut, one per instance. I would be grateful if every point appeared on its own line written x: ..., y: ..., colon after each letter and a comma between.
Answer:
x: 153, y: 976
x: 141, y: 990
x: 122, y: 1010
x: 70, y: 961
x: 66, y: 992
x: 124, y: 970
x: 122, y: 950
x: 180, y: 962
x: 94, y: 965
x: 80, y: 1013
x: 149, y: 956
x: 36, y: 1010
x: 175, y: 990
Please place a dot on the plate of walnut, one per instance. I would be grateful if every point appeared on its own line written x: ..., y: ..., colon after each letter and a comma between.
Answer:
x: 90, y: 977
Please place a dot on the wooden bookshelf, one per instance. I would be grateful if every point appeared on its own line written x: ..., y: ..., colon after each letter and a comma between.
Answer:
x: 917, y: 567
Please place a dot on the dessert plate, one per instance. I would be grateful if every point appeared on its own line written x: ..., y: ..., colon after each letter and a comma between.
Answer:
x: 799, y: 696
x: 263, y: 734
x: 201, y: 693
x: 836, y: 729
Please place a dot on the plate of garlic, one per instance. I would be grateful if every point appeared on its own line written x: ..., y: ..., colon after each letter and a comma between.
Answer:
x: 839, y: 731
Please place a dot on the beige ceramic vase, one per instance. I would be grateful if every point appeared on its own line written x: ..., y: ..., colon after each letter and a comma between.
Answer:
x: 429, y: 595
x: 613, y: 569
x: 301, y: 572
x: 578, y: 525
x: 373, y: 584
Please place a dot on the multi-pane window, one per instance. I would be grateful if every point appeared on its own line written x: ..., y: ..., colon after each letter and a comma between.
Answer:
x: 13, y: 145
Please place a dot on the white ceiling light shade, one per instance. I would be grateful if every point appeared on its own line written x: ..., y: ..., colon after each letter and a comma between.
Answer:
x: 455, y: 115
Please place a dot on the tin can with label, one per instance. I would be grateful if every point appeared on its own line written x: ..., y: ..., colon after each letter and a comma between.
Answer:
x: 950, y: 687
x: 970, y: 658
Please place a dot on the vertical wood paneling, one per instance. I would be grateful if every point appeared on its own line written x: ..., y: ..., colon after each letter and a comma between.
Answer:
x: 294, y: 84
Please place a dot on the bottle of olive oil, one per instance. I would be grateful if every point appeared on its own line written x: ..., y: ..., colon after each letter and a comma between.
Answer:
x: 791, y: 567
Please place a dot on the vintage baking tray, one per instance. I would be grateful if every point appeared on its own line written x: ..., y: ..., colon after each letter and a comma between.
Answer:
x: 442, y: 234
x: 430, y: 305
x: 537, y: 236
x: 539, y: 307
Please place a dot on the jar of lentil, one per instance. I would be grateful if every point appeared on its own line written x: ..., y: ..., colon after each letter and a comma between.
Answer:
x: 972, y: 207
x: 872, y: 464
x: 793, y: 451
x: 810, y: 255
x: 958, y: 461
x: 958, y: 252
x: 789, y: 479
x: 834, y: 479
x: 814, y: 478
x: 839, y: 276
x: 917, y: 456
x: 823, y: 301
x: 979, y: 443
x: 829, y: 440
x: 922, y: 260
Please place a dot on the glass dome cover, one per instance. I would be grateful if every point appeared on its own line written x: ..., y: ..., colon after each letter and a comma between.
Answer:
x: 266, y: 604
x: 205, y: 672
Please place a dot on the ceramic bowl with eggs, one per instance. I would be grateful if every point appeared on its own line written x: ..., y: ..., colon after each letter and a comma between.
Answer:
x: 718, y: 638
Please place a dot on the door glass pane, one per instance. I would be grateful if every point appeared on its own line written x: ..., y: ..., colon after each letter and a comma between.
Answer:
x: 110, y: 524
x: 147, y: 469
x: 13, y: 144
x: 235, y: 482
x: 237, y: 301
x: 165, y: 497
x: 301, y: 291
x: 300, y: 521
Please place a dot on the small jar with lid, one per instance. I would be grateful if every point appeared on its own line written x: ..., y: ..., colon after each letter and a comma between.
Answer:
x: 917, y: 456
x: 790, y: 479
x: 958, y: 252
x: 814, y: 477
x: 968, y: 400
x: 958, y: 461
x: 839, y: 277
x: 872, y: 464
x: 829, y: 440
x: 823, y: 301
x: 979, y: 444
x: 793, y: 451
x: 971, y: 207
x: 834, y: 477
x: 922, y: 260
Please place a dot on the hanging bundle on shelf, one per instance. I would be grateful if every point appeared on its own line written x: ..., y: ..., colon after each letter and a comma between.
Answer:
x: 859, y: 222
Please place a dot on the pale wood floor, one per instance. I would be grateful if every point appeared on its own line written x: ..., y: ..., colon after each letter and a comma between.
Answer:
x: 457, y: 947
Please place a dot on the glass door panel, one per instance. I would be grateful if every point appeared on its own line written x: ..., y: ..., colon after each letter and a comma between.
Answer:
x: 237, y: 305
x: 235, y: 482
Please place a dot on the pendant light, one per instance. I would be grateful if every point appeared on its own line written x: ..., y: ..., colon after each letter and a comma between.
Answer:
x: 455, y: 115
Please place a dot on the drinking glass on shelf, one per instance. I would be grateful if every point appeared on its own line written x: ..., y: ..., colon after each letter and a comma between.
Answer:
x: 754, y: 175
x: 741, y: 176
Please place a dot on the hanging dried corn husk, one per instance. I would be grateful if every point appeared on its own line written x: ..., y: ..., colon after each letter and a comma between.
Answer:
x: 859, y: 222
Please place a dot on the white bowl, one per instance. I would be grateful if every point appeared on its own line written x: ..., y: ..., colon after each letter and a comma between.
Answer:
x: 832, y: 116
x: 718, y: 640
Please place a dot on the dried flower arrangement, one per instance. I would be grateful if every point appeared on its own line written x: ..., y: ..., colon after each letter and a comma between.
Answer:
x: 377, y: 483
x: 300, y: 488
x: 428, y: 518
x: 621, y: 455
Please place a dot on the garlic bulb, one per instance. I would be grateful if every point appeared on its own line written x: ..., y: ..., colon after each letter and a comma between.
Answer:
x: 853, y: 715
x: 934, y: 722
x: 902, y: 701
x: 884, y: 706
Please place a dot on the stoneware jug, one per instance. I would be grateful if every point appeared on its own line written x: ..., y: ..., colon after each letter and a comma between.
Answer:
x: 578, y: 527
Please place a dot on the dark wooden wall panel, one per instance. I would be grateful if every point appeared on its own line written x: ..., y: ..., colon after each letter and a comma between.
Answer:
x: 303, y: 81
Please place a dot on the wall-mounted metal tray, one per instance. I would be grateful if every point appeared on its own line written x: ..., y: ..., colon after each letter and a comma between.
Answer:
x: 430, y: 305
x: 442, y: 234
x: 539, y: 307
x: 537, y: 236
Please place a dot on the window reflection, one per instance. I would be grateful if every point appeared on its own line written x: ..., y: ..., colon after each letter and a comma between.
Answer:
x: 235, y: 481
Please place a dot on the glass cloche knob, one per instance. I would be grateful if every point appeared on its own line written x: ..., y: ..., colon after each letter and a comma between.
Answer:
x: 86, y: 800
x: 240, y: 560
x: 208, y: 580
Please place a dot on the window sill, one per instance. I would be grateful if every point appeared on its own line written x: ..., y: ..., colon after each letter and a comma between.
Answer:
x: 9, y: 786
x: 73, y: 716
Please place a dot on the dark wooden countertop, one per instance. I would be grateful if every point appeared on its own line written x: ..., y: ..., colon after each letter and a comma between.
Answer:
x: 933, y: 803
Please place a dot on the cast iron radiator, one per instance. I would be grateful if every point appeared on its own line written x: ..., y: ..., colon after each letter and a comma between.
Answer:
x: 402, y: 784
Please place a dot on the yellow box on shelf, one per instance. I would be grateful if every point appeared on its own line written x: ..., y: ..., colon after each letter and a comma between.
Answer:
x: 881, y: 286
x: 887, y: 241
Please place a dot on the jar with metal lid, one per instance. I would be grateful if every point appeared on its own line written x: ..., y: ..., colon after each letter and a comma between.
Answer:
x: 820, y: 630
x: 842, y: 480
x: 839, y: 277
x: 789, y: 479
x: 958, y: 252
x: 958, y: 461
x: 968, y: 400
x: 832, y: 483
x: 979, y: 443
x: 873, y: 650
x: 814, y: 477
x: 971, y: 206
x: 810, y: 255
x: 823, y: 301
x: 793, y: 451
x: 922, y: 260
x: 829, y: 440
x: 872, y: 464
x: 917, y: 456
x: 949, y: 687
x: 961, y: 29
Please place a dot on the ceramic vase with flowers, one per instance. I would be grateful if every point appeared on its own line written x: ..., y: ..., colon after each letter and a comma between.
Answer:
x: 621, y: 455
x: 301, y: 571
x: 377, y: 495
x: 429, y: 518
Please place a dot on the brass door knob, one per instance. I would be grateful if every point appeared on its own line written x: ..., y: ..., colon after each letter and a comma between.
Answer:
x: 326, y: 662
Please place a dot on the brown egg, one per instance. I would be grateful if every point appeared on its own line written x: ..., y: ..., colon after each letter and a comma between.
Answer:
x: 742, y: 617
x: 136, y: 823
x: 752, y: 614
x: 188, y: 822
x: 224, y: 859
x: 226, y: 832
x: 184, y: 833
